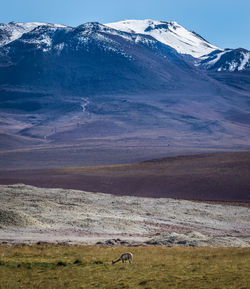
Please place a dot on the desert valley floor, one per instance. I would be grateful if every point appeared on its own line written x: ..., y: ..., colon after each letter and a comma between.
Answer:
x: 192, y: 200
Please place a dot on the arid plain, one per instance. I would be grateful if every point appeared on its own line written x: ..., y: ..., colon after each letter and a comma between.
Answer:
x: 210, y: 177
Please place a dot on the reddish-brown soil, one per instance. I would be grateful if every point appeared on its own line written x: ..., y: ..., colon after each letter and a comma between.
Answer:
x: 214, y: 177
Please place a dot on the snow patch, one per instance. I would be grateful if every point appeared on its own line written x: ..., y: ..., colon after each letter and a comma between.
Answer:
x: 84, y: 104
x: 216, y: 58
x: 232, y: 66
x: 244, y: 61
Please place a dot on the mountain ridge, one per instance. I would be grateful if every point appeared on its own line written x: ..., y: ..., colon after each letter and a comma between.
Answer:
x: 167, y: 32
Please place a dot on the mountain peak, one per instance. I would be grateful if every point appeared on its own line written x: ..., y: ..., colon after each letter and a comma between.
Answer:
x: 170, y: 33
x: 14, y: 30
x: 94, y: 26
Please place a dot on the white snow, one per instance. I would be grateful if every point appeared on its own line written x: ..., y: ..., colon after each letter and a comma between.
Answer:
x: 169, y: 33
x: 215, y: 59
x: 244, y: 61
x: 232, y: 66
x: 239, y: 66
x: 130, y: 37
x: 43, y: 42
x: 84, y: 104
x: 105, y: 43
x: 59, y: 47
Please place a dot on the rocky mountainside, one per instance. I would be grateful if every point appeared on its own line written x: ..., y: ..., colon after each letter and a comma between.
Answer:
x: 139, y: 80
x: 227, y: 60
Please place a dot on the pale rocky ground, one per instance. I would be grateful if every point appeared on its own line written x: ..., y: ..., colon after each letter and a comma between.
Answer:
x: 31, y: 215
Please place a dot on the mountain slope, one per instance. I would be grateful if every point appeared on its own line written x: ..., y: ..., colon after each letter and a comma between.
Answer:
x: 109, y: 60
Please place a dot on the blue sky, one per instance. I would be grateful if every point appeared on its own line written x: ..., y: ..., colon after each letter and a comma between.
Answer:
x: 225, y: 23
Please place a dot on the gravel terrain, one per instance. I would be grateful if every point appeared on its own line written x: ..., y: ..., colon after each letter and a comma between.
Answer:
x: 35, y: 215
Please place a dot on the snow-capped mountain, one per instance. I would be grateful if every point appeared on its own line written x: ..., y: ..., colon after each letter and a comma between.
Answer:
x: 169, y: 33
x: 14, y: 30
x: 65, y: 84
x: 188, y: 42
x: 227, y: 60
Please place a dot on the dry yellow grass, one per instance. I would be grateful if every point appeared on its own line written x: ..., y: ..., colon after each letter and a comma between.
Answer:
x: 53, y: 267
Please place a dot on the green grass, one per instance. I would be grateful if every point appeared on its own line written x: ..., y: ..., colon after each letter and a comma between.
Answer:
x: 52, y: 267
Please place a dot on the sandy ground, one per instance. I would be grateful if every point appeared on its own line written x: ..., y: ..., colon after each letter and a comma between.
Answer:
x: 29, y: 215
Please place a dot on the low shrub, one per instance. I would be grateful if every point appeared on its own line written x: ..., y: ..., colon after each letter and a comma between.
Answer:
x: 61, y: 263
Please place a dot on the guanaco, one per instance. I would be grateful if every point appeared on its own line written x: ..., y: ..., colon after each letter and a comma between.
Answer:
x: 124, y: 257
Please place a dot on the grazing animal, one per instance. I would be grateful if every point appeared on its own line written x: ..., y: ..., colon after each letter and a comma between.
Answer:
x: 124, y: 257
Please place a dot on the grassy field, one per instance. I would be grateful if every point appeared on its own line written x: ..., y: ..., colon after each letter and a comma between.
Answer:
x: 51, y: 266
